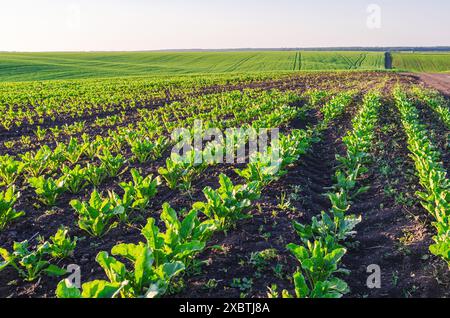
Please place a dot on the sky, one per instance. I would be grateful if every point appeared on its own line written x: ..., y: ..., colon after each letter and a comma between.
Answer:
x: 133, y: 25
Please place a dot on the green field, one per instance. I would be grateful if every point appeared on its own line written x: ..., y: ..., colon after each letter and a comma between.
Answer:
x: 48, y: 66
x: 421, y: 62
x: 342, y: 61
x: 52, y: 66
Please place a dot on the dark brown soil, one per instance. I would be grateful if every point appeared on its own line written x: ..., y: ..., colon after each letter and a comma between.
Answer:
x: 325, y: 81
x: 270, y: 228
x: 439, y: 133
x: 395, y: 232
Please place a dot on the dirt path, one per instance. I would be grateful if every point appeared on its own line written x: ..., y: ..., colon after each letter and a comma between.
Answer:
x: 440, y: 82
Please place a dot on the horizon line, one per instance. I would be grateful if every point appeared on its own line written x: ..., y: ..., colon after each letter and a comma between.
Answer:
x: 318, y: 48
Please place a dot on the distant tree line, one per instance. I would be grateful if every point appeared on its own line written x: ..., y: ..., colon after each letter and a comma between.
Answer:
x: 355, y: 48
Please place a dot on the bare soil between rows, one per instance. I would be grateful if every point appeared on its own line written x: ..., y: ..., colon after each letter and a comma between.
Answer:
x: 396, y: 231
x: 325, y: 81
x: 394, y: 234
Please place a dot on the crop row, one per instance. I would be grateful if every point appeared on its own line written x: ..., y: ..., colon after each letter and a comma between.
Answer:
x: 36, y: 102
x: 38, y: 168
x: 71, y: 167
x: 98, y: 214
x: 432, y: 175
x: 223, y: 110
x: 75, y: 107
x: 322, y: 240
x: 43, y: 103
x: 160, y: 258
x: 436, y: 102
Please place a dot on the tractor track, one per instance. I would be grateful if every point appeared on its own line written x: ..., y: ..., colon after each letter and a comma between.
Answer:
x: 271, y: 226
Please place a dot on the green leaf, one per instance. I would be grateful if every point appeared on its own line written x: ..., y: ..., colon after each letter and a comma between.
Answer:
x: 169, y: 216
x: 150, y: 232
x: 54, y: 270
x: 65, y: 290
x: 171, y: 269
x: 128, y: 251
x: 143, y: 269
x: 114, y: 269
x: 100, y: 289
x: 301, y: 289
x: 186, y: 249
x: 188, y: 224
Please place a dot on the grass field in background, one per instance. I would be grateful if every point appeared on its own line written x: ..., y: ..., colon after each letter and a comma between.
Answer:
x: 422, y: 62
x: 49, y: 66
x: 342, y: 61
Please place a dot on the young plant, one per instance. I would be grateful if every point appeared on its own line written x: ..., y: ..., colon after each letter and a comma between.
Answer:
x: 142, y: 149
x: 336, y: 106
x: 436, y: 102
x: 143, y: 280
x: 91, y: 147
x: 348, y: 182
x: 29, y: 263
x: 112, y: 164
x: 297, y: 143
x: 173, y: 172
x: 95, y: 175
x: 141, y: 189
x: 125, y: 201
x: 263, y: 168
x: 7, y: 212
x: 316, y: 96
x: 228, y: 203
x: 10, y: 170
x: 182, y: 239
x: 73, y: 151
x: 214, y: 152
x: 161, y: 145
x: 319, y: 263
x: 74, y: 179
x: 47, y: 189
x: 145, y: 149
x: 40, y: 133
x: 321, y: 251
x: 36, y: 163
x: 435, y: 196
x: 96, y: 216
x: 154, y: 263
x: 60, y: 245
x: 326, y: 226
x: 180, y: 171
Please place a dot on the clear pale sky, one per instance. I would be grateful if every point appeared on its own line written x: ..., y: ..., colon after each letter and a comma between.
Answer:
x: 81, y: 25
